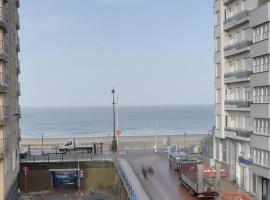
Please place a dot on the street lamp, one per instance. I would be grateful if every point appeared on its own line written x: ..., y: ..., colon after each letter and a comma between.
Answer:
x: 114, y: 144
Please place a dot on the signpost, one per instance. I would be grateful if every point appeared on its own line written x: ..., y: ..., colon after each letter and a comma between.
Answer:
x: 26, y: 170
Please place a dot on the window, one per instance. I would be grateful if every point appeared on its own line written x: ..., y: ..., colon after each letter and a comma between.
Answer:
x: 217, y: 45
x: 254, y: 183
x: 261, y: 32
x: 261, y: 126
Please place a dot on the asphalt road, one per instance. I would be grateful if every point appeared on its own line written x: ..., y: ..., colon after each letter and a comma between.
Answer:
x: 163, y: 184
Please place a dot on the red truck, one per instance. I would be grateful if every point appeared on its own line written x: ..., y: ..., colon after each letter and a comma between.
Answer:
x: 192, y: 176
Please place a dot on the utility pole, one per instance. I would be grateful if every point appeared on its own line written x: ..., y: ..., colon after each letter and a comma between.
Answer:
x: 156, y: 134
x: 114, y: 143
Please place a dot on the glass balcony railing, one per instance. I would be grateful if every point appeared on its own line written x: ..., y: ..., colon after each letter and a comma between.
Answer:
x: 237, y: 76
x: 18, y: 66
x: 237, y: 104
x: 261, y: 99
x: 18, y: 89
x: 261, y: 131
x: 236, y: 18
x: 238, y: 46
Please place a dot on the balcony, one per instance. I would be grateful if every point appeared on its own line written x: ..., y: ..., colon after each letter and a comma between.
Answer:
x: 17, y: 2
x: 3, y: 82
x: 261, y: 131
x: 17, y: 111
x: 237, y: 48
x: 18, y: 26
x: 18, y: 47
x: 237, y: 76
x: 4, y: 112
x: 241, y: 105
x: 18, y: 67
x: 261, y: 167
x: 18, y: 89
x: 3, y: 51
x: 242, y: 134
x: 3, y: 19
x: 236, y: 20
x: 261, y: 99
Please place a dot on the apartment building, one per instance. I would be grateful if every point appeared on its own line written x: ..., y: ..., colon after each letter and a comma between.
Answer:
x: 9, y: 93
x: 242, y: 83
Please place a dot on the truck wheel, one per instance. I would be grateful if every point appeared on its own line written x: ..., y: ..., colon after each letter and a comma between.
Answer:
x: 65, y: 151
x: 191, y: 192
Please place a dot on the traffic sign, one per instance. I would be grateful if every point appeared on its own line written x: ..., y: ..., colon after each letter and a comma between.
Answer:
x: 26, y: 169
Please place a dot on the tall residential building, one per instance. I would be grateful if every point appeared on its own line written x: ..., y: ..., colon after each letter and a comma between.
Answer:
x: 242, y: 83
x: 9, y: 93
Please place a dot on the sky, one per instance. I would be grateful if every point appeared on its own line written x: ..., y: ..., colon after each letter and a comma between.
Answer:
x: 154, y: 52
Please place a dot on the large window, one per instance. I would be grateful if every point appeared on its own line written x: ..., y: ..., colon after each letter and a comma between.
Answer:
x: 261, y: 63
x: 262, y: 126
x: 261, y: 94
x: 261, y: 32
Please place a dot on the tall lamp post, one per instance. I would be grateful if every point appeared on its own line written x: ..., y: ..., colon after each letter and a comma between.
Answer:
x: 114, y: 144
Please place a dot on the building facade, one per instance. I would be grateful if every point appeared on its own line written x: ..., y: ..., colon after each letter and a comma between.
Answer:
x: 9, y: 93
x: 242, y: 88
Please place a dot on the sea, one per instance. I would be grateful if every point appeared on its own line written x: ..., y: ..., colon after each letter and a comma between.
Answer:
x: 132, y: 120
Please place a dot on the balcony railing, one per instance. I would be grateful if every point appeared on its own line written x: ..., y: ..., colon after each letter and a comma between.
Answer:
x: 261, y: 161
x: 237, y: 104
x: 261, y: 131
x: 3, y: 18
x: 18, y: 66
x: 238, y: 46
x: 3, y: 80
x: 18, y: 89
x: 237, y: 76
x: 18, y: 47
x: 260, y: 37
x: 261, y: 68
x: 238, y: 133
x: 18, y: 21
x: 239, y: 18
x: 17, y: 111
x: 228, y: 1
x: 261, y: 99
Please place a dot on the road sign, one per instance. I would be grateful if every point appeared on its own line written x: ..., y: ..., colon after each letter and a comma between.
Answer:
x: 118, y: 132
x: 234, y: 196
x: 26, y: 169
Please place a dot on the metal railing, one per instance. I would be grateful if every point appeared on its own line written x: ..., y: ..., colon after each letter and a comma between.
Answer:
x: 127, y: 184
x: 261, y: 130
x: 261, y: 161
x: 245, y: 103
x: 236, y: 18
x: 261, y: 99
x: 3, y: 80
x: 4, y: 112
x: 261, y: 68
x: 237, y: 46
x: 237, y: 75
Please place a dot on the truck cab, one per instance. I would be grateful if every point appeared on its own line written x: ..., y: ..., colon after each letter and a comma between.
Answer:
x: 65, y: 147
x: 176, y: 158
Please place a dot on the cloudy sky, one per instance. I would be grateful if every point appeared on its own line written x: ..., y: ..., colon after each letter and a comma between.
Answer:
x: 154, y: 52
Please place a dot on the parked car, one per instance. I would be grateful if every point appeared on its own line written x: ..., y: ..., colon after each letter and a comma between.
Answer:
x: 176, y: 158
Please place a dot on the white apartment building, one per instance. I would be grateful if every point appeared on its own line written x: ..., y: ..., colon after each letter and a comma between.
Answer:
x: 242, y: 83
x: 9, y: 93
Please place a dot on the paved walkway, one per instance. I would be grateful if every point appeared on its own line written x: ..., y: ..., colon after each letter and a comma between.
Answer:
x: 136, y: 185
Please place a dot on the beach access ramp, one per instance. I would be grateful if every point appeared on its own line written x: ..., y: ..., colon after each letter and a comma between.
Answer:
x: 130, y: 180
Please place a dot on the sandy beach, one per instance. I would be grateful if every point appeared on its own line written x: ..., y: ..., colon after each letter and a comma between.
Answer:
x: 124, y: 141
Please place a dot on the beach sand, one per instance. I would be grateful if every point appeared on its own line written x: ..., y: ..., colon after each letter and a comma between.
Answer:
x: 124, y: 141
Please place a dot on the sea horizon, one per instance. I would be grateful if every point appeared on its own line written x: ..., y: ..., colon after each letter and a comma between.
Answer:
x: 95, y: 121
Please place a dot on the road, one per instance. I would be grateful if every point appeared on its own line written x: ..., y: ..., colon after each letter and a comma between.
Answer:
x: 163, y: 185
